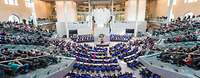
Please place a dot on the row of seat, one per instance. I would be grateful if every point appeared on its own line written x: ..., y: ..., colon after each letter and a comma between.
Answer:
x: 26, y: 40
x: 97, y: 68
x: 145, y: 73
x: 18, y: 35
x: 121, y: 38
x: 15, y: 59
x: 83, y: 38
x: 182, y: 38
x: 129, y: 52
x: 77, y: 75
x: 6, y: 55
x: 96, y: 61
x: 180, y: 47
x: 13, y: 68
x: 181, y: 59
x: 90, y: 38
x: 177, y: 26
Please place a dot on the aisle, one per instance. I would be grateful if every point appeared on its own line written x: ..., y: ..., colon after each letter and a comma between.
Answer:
x: 124, y: 69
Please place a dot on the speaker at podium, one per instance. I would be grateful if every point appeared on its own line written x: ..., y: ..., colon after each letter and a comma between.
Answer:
x: 102, y: 41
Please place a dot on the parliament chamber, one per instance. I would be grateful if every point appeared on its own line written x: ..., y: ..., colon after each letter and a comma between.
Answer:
x: 99, y: 39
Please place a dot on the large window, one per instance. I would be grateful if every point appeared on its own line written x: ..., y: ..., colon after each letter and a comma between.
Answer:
x: 11, y: 2
x: 189, y: 14
x: 14, y: 18
x: 28, y: 3
x: 190, y: 1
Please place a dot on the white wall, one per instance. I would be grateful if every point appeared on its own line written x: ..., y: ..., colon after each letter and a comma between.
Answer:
x: 120, y: 28
x: 60, y: 25
x: 130, y: 10
x: 135, y: 11
x: 61, y: 28
x: 116, y: 28
x: 60, y: 11
x: 141, y: 10
x: 66, y: 12
x: 82, y: 28
x: 70, y: 11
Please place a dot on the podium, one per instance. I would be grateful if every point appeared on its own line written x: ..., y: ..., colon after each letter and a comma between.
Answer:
x: 102, y: 40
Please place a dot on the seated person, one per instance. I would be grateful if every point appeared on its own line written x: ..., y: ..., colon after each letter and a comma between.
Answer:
x: 15, y: 66
x: 188, y: 60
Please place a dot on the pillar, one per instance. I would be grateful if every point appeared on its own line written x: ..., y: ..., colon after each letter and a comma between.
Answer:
x: 135, y: 12
x: 170, y: 10
x: 130, y: 11
x: 141, y: 10
x: 66, y: 12
x: 33, y: 14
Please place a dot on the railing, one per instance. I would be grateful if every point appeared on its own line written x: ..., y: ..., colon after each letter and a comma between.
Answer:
x: 22, y: 59
x: 52, y: 71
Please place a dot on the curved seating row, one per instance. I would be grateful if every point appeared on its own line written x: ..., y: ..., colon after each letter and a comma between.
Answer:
x: 8, y: 55
x: 83, y: 38
x: 97, y: 68
x: 177, y: 27
x: 182, y: 38
x: 15, y: 67
x: 96, y: 61
x: 76, y: 75
x: 145, y: 73
x: 121, y: 38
